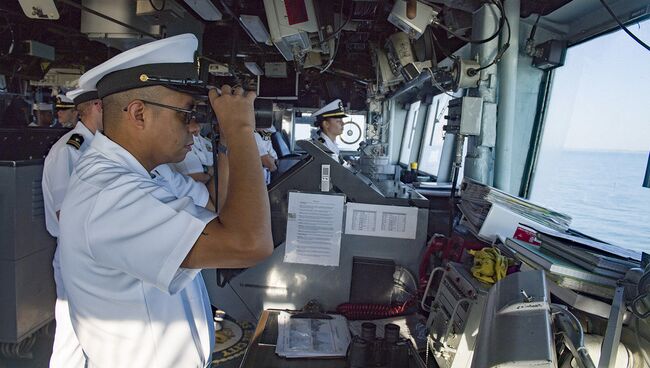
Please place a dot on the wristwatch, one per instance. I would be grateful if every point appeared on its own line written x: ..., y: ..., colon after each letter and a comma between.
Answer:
x: 222, y: 149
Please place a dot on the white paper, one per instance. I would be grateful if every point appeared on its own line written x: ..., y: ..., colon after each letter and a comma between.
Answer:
x: 384, y: 221
x: 314, y: 227
x: 307, y: 337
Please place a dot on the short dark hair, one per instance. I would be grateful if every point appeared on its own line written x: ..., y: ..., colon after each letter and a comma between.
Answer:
x: 113, y: 104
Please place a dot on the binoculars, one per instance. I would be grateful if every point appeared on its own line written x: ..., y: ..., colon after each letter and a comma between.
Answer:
x: 368, y: 350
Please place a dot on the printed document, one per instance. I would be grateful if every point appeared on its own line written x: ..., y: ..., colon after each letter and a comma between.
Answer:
x: 384, y: 221
x: 314, y: 227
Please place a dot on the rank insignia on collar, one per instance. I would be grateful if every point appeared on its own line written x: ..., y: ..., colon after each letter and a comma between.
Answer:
x: 76, y: 140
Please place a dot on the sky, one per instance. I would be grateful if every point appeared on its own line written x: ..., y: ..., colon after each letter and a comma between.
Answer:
x: 600, y: 98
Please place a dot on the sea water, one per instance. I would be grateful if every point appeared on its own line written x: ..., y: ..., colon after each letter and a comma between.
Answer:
x: 602, y: 191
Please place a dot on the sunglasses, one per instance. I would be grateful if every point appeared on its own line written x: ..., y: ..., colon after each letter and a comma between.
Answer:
x: 189, y: 113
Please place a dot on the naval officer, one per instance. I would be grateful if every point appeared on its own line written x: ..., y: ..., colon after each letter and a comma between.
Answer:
x: 57, y: 169
x: 131, y: 248
x: 267, y: 154
x: 66, y: 114
x: 199, y: 161
x: 329, y: 121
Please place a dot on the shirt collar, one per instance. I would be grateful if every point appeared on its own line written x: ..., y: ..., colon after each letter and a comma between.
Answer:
x: 117, y: 153
x: 84, y: 131
x: 325, y: 137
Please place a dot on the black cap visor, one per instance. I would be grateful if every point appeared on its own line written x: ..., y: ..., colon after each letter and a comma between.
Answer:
x: 180, y: 77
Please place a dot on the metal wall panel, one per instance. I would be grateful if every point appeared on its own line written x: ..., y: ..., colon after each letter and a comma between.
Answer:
x: 27, y: 291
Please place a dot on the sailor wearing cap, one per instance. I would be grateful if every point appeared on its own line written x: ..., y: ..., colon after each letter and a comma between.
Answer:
x: 65, y: 112
x: 132, y: 248
x: 57, y: 169
x: 329, y: 120
x: 267, y: 154
x: 199, y: 161
x: 42, y: 115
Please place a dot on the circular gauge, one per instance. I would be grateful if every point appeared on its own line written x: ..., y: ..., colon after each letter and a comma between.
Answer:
x: 351, y: 133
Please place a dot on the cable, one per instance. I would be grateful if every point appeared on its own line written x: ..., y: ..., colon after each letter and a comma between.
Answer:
x: 244, y: 303
x: 496, y: 33
x: 609, y: 10
x: 336, y: 33
x: 13, y: 37
x: 443, y: 49
x: 331, y: 60
x: 437, y: 85
x: 499, y: 55
x: 534, y: 29
x: 161, y: 8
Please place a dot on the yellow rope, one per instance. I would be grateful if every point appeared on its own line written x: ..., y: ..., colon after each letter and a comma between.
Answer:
x: 489, y: 265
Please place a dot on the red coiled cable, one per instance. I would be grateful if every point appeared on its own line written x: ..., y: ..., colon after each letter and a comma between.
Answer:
x: 366, y: 311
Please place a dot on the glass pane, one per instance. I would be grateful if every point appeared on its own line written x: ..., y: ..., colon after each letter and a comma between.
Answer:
x: 596, y: 140
x: 305, y: 130
x: 409, y: 133
x: 433, y: 139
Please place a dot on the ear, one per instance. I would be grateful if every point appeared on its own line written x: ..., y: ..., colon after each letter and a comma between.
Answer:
x: 135, y: 112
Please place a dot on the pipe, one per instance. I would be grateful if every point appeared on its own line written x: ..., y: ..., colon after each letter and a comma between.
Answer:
x: 507, y: 101
x: 458, y: 161
x: 110, y: 19
x: 446, y: 158
x: 480, y: 156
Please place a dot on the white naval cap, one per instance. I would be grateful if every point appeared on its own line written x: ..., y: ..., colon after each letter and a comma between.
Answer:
x: 168, y: 62
x: 81, y: 95
x: 42, y: 106
x: 63, y: 102
x: 333, y: 109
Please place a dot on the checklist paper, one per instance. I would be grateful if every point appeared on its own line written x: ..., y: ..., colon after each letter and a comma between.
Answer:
x: 384, y: 221
x: 314, y: 227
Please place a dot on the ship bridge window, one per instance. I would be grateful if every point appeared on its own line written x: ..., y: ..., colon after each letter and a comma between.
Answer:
x: 596, y: 139
x: 354, y: 130
x: 434, y: 135
x: 409, y: 139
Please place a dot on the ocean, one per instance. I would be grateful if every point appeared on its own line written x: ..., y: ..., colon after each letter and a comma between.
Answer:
x: 601, y: 191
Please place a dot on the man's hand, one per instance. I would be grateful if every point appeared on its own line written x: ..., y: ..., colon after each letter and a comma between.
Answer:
x: 234, y: 110
x: 269, y: 163
x: 200, y: 177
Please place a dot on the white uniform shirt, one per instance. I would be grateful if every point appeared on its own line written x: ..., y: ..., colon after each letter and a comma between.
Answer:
x: 265, y: 147
x: 181, y: 185
x: 197, y: 159
x: 330, y: 145
x: 123, y: 237
x: 56, y: 174
x: 203, y: 148
x: 57, y: 169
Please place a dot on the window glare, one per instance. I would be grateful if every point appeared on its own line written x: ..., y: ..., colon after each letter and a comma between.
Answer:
x: 596, y: 140
x: 433, y: 137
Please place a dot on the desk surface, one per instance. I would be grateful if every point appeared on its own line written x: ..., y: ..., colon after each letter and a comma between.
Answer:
x: 261, y: 351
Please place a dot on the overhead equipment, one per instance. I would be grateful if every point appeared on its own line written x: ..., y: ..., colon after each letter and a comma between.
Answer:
x: 290, y: 24
x: 413, y: 26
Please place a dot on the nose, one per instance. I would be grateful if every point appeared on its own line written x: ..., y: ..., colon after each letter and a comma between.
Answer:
x: 194, y: 127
